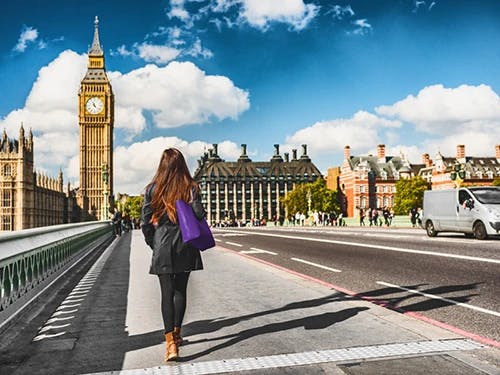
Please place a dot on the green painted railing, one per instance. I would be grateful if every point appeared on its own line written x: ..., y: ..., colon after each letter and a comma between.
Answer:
x: 29, y: 258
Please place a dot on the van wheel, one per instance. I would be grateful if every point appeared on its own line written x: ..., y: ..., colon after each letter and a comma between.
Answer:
x: 480, y: 231
x: 429, y: 227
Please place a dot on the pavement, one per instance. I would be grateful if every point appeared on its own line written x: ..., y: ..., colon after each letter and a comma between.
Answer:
x: 243, y: 316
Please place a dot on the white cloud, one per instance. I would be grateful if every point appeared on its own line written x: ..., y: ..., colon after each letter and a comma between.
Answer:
x: 339, y: 12
x: 361, y: 132
x: 260, y: 13
x: 176, y: 95
x: 440, y: 110
x: 136, y: 164
x: 362, y: 27
x: 28, y: 35
x: 157, y: 54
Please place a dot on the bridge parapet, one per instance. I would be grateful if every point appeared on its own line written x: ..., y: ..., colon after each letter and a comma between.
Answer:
x: 31, y: 259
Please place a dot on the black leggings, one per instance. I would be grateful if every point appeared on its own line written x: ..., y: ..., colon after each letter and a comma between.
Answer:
x: 173, y: 298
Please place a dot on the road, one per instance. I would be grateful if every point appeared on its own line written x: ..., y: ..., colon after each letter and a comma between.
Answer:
x: 450, y: 279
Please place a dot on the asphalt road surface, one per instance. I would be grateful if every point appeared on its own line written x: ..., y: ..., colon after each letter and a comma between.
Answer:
x: 450, y: 278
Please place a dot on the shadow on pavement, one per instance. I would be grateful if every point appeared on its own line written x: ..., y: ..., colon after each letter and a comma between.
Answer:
x: 320, y: 321
x: 429, y: 304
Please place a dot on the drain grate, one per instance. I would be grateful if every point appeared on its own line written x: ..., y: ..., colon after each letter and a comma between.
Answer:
x: 306, y: 358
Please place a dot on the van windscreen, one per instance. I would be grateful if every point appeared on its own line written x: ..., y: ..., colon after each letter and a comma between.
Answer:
x: 487, y: 196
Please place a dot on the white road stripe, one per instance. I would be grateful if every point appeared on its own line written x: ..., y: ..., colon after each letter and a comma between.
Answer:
x: 263, y: 251
x: 234, y: 244
x: 316, y: 265
x: 381, y: 247
x: 48, y: 328
x: 466, y: 305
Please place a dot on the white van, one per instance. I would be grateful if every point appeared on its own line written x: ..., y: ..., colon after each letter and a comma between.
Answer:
x: 474, y: 211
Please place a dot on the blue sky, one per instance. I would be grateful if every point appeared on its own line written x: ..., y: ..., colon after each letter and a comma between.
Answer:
x: 418, y: 76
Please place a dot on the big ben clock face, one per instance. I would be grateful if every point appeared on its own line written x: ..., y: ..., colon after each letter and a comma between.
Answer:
x: 94, y: 105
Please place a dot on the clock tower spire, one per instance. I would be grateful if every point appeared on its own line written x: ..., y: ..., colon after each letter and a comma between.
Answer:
x: 96, y: 120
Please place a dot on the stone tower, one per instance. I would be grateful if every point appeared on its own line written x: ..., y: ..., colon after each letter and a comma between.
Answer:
x: 17, y: 182
x: 96, y: 118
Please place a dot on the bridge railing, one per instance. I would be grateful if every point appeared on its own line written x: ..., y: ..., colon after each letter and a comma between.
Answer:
x: 30, y: 259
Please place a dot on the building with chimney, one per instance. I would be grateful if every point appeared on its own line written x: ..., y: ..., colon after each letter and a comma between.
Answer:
x: 245, y: 189
x: 445, y: 172
x: 370, y: 181
x: 27, y: 199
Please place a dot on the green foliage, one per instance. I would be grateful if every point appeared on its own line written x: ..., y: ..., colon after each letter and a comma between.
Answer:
x: 409, y: 193
x: 133, y: 206
x: 322, y: 198
x: 496, y: 181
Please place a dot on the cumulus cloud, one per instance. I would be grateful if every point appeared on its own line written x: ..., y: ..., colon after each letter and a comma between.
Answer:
x: 293, y: 12
x: 178, y: 94
x: 159, y: 54
x: 361, y: 131
x: 175, y: 95
x: 28, y: 35
x: 137, y: 162
x: 440, y: 110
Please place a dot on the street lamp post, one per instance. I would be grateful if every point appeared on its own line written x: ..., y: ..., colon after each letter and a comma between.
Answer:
x: 105, y: 203
x: 309, y: 200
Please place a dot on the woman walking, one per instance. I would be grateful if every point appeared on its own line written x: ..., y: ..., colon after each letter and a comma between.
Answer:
x: 172, y: 259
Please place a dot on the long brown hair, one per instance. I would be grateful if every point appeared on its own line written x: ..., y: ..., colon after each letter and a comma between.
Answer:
x: 171, y: 182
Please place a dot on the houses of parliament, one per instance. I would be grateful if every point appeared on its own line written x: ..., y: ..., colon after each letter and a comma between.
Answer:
x: 29, y: 199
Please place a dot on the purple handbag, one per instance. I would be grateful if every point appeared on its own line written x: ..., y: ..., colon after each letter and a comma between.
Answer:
x: 193, y: 230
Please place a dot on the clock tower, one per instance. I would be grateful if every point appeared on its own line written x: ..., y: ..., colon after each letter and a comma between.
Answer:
x: 96, y: 118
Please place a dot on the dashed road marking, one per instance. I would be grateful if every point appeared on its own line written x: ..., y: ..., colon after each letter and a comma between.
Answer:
x: 428, y: 295
x: 380, y: 247
x: 254, y: 250
x: 316, y: 265
x: 234, y: 244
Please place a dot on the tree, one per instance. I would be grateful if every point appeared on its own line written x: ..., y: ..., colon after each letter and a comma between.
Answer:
x: 133, y: 206
x: 409, y: 193
x: 322, y: 198
x: 496, y: 181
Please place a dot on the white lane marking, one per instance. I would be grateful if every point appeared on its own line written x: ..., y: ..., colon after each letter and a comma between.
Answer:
x: 72, y: 300
x: 233, y: 235
x: 316, y: 265
x: 57, y: 313
x: 466, y: 305
x: 234, y: 244
x: 62, y: 307
x: 389, y: 248
x: 52, y: 320
x: 263, y: 251
x: 254, y: 250
x: 47, y: 328
x: 46, y: 336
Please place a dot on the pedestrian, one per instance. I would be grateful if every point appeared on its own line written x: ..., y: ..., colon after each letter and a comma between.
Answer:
x: 117, y: 222
x: 370, y: 216
x: 362, y: 217
x: 386, y: 214
x: 375, y: 216
x: 172, y: 259
x: 413, y: 216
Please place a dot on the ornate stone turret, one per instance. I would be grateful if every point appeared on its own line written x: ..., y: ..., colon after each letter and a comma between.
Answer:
x: 96, y: 49
x: 277, y: 157
x: 244, y: 157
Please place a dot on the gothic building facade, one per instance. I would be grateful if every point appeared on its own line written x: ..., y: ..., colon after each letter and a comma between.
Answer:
x: 96, y: 119
x: 243, y: 190
x: 27, y: 199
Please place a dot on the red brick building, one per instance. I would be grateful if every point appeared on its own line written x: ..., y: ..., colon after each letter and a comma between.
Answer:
x: 466, y: 170
x: 369, y: 181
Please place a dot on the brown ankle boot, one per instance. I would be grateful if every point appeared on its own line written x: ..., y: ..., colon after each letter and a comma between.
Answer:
x: 172, y: 352
x: 177, y: 336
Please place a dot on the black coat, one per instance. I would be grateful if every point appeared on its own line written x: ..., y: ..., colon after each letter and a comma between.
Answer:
x: 170, y: 253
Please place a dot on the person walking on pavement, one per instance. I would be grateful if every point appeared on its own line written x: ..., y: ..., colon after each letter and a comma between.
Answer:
x: 117, y: 222
x: 172, y: 259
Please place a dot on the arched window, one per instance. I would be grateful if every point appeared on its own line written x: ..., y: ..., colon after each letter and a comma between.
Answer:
x: 7, y: 170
